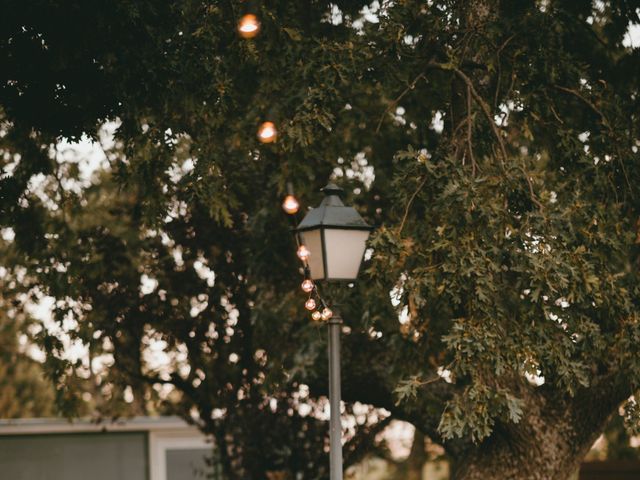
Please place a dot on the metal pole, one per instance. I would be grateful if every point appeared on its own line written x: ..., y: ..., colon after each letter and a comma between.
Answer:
x: 335, y: 425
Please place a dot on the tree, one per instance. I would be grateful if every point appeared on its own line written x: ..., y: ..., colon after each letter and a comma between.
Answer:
x: 503, y: 137
x: 23, y: 390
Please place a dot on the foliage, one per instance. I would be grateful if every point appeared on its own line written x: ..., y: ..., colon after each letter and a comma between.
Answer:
x: 23, y: 390
x: 495, y: 145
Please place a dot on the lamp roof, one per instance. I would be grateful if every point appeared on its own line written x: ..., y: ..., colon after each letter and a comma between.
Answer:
x: 333, y: 213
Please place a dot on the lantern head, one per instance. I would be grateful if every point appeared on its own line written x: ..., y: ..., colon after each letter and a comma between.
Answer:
x: 336, y: 236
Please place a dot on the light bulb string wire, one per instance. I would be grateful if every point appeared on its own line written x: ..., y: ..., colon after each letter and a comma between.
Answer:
x: 321, y: 303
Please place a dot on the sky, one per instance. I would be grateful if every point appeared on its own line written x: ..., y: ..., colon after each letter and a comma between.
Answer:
x: 632, y: 38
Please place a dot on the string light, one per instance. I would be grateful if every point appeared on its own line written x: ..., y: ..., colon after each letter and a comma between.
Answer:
x: 267, y: 132
x: 303, y: 253
x: 249, y: 26
x: 290, y: 205
x: 307, y: 286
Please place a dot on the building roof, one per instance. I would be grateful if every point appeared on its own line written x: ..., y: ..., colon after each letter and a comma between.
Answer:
x: 25, y: 426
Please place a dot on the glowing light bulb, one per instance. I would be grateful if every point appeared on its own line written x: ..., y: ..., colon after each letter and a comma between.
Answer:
x: 317, y: 316
x: 303, y: 253
x: 327, y: 313
x: 307, y: 286
x: 267, y: 132
x: 249, y: 26
x: 310, y: 304
x: 290, y: 205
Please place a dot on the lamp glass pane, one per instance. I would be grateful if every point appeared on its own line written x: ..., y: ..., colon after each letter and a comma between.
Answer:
x: 313, y: 241
x: 345, y: 249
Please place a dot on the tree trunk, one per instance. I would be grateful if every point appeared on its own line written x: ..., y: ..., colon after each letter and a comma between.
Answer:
x: 550, y: 453
x: 417, y: 457
x: 549, y: 442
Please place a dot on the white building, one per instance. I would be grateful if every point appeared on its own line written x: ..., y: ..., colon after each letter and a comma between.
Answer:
x: 141, y: 448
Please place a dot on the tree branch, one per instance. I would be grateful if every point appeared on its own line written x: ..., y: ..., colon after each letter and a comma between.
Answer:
x: 604, y: 120
x: 587, y: 102
x: 481, y: 103
x: 470, y: 133
x: 410, y: 87
x: 413, y: 196
x: 499, y: 77
x: 487, y: 112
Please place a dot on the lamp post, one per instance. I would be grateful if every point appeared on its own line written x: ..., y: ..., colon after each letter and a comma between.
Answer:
x: 335, y: 236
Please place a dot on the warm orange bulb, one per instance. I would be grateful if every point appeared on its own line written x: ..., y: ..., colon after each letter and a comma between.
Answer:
x: 317, y: 316
x: 303, y: 253
x: 267, y: 132
x: 307, y: 286
x: 326, y: 313
x: 290, y: 205
x: 310, y: 304
x: 249, y: 26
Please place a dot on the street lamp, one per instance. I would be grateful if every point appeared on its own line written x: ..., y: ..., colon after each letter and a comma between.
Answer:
x: 335, y: 237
